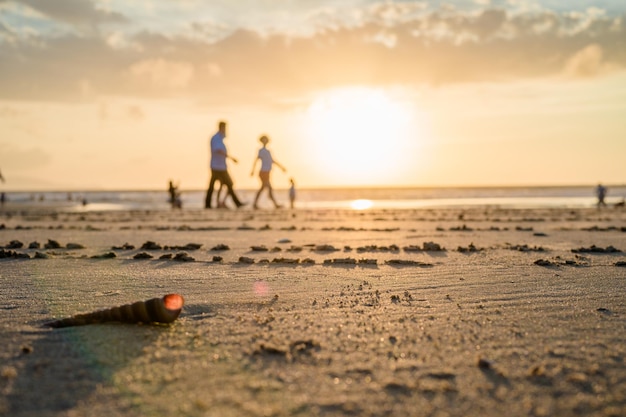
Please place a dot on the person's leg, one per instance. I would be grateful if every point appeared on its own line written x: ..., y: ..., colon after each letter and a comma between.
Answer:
x: 221, y: 196
x: 256, y: 198
x: 267, y: 184
x: 229, y: 186
x: 271, y: 194
x: 262, y: 177
x: 209, y: 193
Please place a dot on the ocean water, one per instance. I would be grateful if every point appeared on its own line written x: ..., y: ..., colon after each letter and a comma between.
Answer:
x: 336, y: 198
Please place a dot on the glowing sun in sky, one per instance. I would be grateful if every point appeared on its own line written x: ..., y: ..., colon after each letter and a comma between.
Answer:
x: 361, y: 135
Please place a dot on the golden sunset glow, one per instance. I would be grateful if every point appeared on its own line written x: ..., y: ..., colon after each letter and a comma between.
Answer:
x: 361, y: 204
x: 361, y: 135
x: 363, y: 93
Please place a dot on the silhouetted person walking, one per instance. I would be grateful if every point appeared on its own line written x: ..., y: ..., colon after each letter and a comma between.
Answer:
x: 601, y: 194
x: 174, y: 199
x: 267, y: 161
x: 219, y: 171
x: 3, y: 196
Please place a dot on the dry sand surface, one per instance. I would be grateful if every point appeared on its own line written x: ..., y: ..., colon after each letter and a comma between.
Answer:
x: 478, y: 312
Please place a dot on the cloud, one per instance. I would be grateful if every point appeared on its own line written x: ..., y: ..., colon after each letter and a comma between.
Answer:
x: 163, y: 73
x: 389, y: 43
x: 587, y: 62
x: 6, y: 35
x: 114, y: 112
x: 74, y: 12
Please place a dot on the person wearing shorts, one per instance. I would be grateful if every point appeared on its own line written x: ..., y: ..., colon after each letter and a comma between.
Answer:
x: 267, y: 162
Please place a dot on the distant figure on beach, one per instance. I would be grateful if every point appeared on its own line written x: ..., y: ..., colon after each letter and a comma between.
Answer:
x: 292, y: 192
x: 219, y: 172
x: 601, y: 194
x: 3, y: 197
x: 174, y: 199
x: 267, y: 162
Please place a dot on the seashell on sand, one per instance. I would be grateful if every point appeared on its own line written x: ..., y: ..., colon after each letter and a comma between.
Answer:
x: 156, y: 310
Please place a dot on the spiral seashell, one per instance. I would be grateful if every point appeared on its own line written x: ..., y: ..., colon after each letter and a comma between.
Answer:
x: 155, y: 310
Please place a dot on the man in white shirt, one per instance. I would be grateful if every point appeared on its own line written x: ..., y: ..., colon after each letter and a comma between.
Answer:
x: 219, y: 171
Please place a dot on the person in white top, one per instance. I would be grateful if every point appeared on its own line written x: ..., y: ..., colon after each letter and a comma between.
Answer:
x: 267, y: 161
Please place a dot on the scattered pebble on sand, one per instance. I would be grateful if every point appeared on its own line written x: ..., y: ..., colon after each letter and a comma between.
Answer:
x: 52, y: 244
x: 183, y: 257
x: 471, y: 248
x: 246, y: 260
x: 13, y: 254
x: 407, y: 262
x: 125, y: 246
x: 220, y: 247
x: 74, y: 246
x: 526, y: 248
x: 107, y: 255
x: 150, y: 245
x: 597, y: 249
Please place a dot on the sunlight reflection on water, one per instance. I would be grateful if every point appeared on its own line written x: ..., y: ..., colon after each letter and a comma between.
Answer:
x: 361, y: 204
x: 340, y: 198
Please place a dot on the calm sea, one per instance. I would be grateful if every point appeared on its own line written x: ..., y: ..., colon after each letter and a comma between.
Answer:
x: 340, y: 198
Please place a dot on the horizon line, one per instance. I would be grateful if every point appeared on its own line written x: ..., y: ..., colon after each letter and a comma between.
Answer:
x: 316, y: 188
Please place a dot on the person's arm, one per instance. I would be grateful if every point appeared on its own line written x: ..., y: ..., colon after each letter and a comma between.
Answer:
x: 254, y: 166
x: 226, y: 155
x: 220, y: 149
x: 280, y: 166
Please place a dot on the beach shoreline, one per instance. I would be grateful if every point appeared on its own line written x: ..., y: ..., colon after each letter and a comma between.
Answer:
x: 376, y: 198
x: 461, y: 311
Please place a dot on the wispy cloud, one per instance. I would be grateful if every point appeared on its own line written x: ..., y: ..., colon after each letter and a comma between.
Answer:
x: 74, y: 12
x: 588, y: 62
x: 222, y: 55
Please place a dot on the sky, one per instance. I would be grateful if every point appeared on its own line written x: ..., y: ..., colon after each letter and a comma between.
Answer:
x: 119, y: 95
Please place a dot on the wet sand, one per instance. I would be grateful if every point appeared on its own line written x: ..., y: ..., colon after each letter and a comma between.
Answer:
x: 486, y: 311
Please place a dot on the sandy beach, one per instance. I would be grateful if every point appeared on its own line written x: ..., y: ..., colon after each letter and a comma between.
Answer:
x: 479, y: 312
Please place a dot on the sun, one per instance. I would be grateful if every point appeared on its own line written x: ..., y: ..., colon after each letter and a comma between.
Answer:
x: 360, y: 136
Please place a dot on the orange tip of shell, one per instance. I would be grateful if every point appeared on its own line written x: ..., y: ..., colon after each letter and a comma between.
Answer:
x: 173, y: 301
